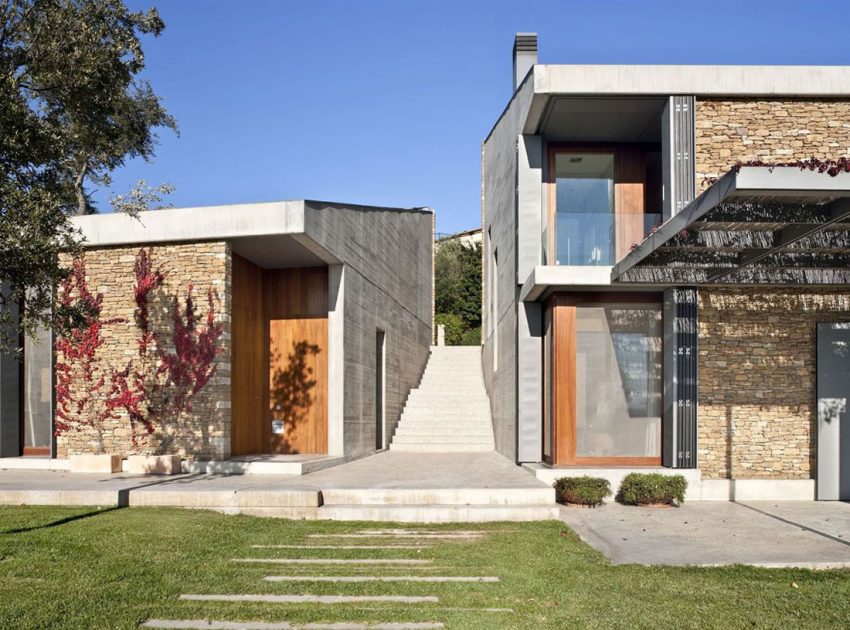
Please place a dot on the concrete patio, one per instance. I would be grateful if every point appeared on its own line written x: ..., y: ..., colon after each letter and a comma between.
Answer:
x: 807, y: 534
x: 391, y: 486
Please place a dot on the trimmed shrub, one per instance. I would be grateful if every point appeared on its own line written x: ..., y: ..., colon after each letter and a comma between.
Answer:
x: 644, y: 488
x: 582, y: 490
x: 454, y: 327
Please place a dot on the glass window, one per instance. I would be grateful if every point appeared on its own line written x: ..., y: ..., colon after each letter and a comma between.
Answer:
x: 584, y: 209
x: 618, y: 380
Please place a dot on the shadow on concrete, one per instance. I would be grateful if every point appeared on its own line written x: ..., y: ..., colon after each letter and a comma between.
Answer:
x: 789, y: 522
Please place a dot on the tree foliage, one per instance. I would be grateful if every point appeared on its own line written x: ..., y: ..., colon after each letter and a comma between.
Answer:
x: 72, y: 110
x: 457, y: 287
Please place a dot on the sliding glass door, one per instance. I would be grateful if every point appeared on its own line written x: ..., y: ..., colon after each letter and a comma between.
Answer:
x: 604, y: 371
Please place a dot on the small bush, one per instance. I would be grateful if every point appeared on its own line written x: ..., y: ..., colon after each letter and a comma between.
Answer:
x: 642, y: 488
x: 582, y: 490
x: 471, y: 337
x: 454, y: 327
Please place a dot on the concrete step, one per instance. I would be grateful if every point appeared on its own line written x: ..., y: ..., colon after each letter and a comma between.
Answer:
x: 450, y: 410
x: 438, y: 513
x: 440, y: 398
x: 442, y: 496
x: 451, y: 376
x: 470, y: 440
x: 262, y: 465
x: 419, y: 416
x: 427, y: 429
x: 218, y: 499
x: 440, y: 448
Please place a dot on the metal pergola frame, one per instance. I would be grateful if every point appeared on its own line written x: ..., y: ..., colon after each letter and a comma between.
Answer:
x: 755, y: 225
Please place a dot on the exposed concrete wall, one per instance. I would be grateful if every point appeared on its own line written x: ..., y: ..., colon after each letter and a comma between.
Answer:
x: 204, y: 433
x: 775, y: 130
x: 500, y: 182
x: 757, y: 380
x: 387, y: 257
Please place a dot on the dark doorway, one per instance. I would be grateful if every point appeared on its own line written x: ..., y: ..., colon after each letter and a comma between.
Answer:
x: 380, y: 366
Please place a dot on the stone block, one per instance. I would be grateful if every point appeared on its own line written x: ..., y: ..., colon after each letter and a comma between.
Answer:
x: 89, y: 463
x: 154, y: 464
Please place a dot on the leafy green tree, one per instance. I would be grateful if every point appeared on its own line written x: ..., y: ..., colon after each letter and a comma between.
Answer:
x: 457, y: 285
x: 72, y: 110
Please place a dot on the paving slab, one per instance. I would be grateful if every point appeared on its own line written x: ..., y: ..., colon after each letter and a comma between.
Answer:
x: 804, y: 534
x: 204, y: 624
x: 332, y: 561
x: 314, y: 599
x: 380, y: 578
x: 418, y: 471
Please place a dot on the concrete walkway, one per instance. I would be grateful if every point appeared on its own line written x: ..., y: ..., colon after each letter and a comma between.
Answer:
x: 391, y: 486
x: 809, y: 534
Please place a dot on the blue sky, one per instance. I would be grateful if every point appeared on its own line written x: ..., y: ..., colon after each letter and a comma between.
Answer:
x: 386, y: 102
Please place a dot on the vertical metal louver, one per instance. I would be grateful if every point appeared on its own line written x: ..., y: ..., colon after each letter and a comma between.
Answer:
x: 678, y: 153
x: 680, y: 378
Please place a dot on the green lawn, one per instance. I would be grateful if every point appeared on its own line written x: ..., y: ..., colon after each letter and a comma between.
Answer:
x: 114, y: 568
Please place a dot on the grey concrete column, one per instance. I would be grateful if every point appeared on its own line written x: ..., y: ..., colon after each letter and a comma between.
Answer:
x: 336, y: 359
x: 529, y: 371
x: 529, y: 205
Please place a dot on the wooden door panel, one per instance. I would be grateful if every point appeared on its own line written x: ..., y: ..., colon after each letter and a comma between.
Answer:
x: 298, y: 385
x: 248, y: 362
x: 629, y: 193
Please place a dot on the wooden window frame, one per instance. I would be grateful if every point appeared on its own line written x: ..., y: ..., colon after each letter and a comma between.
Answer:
x: 563, y: 378
x: 625, y: 154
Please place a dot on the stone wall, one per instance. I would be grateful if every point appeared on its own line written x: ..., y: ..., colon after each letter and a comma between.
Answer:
x: 205, y: 432
x: 757, y: 380
x: 777, y: 130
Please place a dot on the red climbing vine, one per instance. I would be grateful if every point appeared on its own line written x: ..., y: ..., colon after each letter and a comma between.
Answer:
x: 174, y: 362
x: 88, y: 391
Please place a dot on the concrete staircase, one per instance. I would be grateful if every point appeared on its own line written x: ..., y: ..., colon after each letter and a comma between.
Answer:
x: 449, y: 412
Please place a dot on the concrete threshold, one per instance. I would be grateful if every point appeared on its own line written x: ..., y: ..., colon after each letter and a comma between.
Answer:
x: 265, y: 465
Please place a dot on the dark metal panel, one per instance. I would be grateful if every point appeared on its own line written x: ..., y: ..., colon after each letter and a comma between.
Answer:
x: 679, y: 424
x: 10, y: 398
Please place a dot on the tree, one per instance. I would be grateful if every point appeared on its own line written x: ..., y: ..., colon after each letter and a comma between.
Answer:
x: 72, y: 110
x: 457, y: 285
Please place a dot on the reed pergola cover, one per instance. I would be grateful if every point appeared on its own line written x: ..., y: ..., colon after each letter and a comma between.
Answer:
x: 755, y: 225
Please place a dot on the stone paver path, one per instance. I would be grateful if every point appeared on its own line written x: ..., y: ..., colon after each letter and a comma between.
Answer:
x: 399, y: 540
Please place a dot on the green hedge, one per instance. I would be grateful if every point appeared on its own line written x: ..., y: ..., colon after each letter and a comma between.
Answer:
x: 582, y: 490
x: 642, y: 488
x: 471, y: 337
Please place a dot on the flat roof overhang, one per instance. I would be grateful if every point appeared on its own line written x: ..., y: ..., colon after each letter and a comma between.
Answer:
x: 273, y: 235
x: 755, y: 225
x: 549, y: 82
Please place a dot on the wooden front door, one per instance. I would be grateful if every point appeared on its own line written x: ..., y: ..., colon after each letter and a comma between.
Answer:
x: 279, y: 360
x: 298, y: 385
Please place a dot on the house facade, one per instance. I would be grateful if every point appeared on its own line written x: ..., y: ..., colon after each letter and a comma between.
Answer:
x: 665, y: 286
x: 324, y: 316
